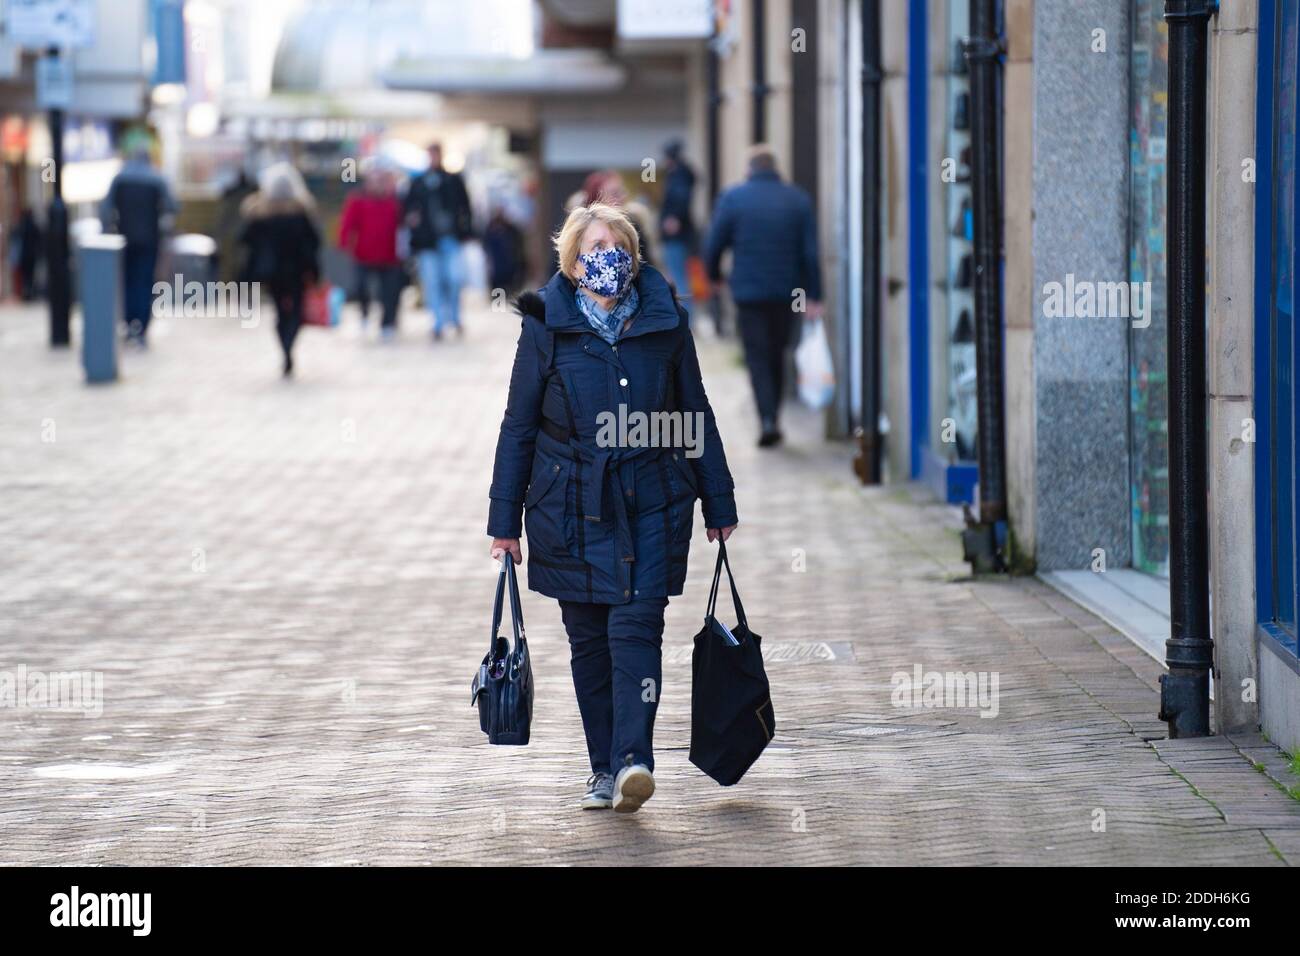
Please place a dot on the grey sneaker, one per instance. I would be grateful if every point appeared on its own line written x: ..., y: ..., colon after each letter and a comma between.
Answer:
x: 633, y: 786
x: 600, y: 792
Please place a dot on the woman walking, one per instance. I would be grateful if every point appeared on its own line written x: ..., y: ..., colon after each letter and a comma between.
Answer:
x: 608, y: 511
x: 283, y: 246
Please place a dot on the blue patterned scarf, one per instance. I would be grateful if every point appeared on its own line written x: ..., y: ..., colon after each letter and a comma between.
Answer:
x: 609, y: 324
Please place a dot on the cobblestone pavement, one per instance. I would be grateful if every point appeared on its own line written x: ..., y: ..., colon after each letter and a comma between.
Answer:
x: 285, y: 588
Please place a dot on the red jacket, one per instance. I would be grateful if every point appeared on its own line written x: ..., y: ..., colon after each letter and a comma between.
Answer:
x: 368, y: 228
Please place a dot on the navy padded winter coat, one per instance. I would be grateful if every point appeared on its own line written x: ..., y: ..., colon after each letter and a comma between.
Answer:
x: 771, y: 229
x: 606, y: 523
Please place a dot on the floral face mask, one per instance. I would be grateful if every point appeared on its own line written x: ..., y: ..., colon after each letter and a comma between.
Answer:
x: 608, y: 271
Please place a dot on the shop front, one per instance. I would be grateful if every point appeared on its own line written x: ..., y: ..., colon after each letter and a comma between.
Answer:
x: 1276, y: 416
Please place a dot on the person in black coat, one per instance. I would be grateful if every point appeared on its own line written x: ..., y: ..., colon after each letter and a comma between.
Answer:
x: 676, y: 221
x: 438, y: 215
x: 608, y: 504
x: 283, y: 247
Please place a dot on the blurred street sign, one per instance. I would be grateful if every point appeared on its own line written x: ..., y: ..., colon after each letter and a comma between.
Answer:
x: 40, y: 24
x: 54, y: 83
x: 665, y: 19
x: 167, y: 19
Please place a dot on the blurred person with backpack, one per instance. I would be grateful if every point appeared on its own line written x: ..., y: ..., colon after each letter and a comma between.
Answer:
x: 438, y: 215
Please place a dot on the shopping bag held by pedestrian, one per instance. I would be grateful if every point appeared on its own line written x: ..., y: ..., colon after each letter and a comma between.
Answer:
x: 731, y: 702
x: 816, y: 367
x: 503, y: 687
x: 701, y: 289
x: 316, y: 305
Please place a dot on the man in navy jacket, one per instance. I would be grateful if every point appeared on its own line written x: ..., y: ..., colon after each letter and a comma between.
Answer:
x: 771, y: 229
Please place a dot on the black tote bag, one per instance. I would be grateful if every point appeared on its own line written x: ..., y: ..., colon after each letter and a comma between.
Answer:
x: 731, y: 702
x: 503, y: 687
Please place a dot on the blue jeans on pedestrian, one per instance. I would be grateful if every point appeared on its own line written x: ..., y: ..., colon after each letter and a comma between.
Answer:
x: 138, y: 265
x: 676, y: 254
x: 617, y: 670
x: 441, y: 279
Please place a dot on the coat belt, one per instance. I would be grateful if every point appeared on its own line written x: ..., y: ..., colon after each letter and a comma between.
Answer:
x: 615, y: 467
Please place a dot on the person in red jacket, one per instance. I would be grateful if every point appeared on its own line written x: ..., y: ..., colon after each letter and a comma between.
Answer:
x: 368, y: 231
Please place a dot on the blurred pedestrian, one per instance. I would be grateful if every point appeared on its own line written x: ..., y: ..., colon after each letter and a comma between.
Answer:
x: 368, y: 232
x: 283, y: 247
x: 611, y: 329
x: 771, y: 229
x: 438, y: 214
x: 230, y: 222
x: 503, y: 244
x: 606, y: 186
x: 676, y: 224
x: 139, y: 206
x: 25, y: 253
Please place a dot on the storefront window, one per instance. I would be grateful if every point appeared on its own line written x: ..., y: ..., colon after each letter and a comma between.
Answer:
x: 1281, y: 395
x: 1148, y: 426
x: 957, y: 331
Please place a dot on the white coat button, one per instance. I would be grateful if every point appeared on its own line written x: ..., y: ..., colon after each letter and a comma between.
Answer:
x: 623, y: 382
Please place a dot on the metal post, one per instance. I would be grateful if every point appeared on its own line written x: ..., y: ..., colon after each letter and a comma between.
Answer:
x: 56, y: 243
x: 1189, y: 652
x: 867, y: 464
x: 984, y: 539
x: 712, y: 149
x: 99, y: 261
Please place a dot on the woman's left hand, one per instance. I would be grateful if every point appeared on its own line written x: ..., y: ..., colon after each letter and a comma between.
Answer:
x: 723, y: 533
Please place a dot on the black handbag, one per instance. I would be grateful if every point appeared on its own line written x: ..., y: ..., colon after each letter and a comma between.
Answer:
x: 503, y: 687
x: 731, y: 701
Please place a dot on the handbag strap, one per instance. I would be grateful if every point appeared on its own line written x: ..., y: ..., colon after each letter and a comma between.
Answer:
x: 496, y: 607
x: 507, y: 576
x: 516, y: 606
x: 717, y: 579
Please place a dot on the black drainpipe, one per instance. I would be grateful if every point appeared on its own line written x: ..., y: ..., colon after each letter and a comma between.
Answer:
x: 983, y: 540
x: 869, y: 450
x: 758, y: 23
x: 713, y: 68
x: 1189, y: 652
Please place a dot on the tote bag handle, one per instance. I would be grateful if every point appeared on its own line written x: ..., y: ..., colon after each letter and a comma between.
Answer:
x: 717, y: 579
x: 516, y: 608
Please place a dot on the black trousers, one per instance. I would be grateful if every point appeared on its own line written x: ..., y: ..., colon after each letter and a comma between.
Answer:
x: 389, y: 280
x: 767, y: 331
x: 138, y: 264
x: 288, y: 315
x: 616, y: 661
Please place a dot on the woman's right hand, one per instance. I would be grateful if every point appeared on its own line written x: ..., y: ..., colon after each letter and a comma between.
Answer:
x: 501, y: 545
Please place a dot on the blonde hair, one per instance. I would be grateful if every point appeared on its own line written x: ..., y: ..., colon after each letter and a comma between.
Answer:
x: 568, y: 241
